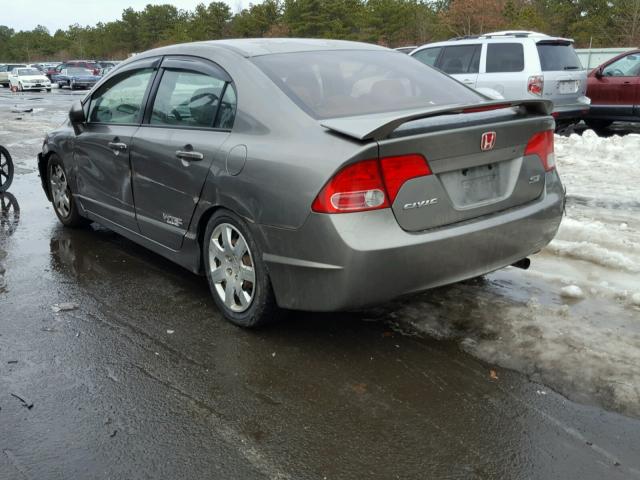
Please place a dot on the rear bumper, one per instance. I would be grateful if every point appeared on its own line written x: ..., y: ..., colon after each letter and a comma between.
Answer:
x: 573, y: 111
x: 337, y: 262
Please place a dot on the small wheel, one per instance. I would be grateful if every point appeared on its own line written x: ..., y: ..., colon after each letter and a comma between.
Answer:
x: 62, y: 199
x: 6, y: 169
x: 236, y: 272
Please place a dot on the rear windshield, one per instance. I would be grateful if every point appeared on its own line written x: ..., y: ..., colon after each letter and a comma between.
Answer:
x: 339, y: 83
x: 555, y: 57
x: 78, y: 71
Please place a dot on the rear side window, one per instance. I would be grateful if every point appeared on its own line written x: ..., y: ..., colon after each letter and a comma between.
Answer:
x: 340, y: 83
x: 505, y: 57
x: 555, y: 57
x: 120, y: 100
x: 460, y: 59
x: 428, y: 56
x: 187, y: 99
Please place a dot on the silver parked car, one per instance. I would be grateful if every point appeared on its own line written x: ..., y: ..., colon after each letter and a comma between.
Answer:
x: 517, y: 64
x: 306, y: 174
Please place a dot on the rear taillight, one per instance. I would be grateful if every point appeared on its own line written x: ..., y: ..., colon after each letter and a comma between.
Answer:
x: 541, y: 144
x: 535, y: 85
x: 355, y: 188
x: 397, y: 170
x: 369, y: 184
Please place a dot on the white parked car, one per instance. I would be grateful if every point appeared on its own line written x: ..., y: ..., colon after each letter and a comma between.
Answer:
x: 5, y: 70
x: 517, y: 65
x: 29, y: 79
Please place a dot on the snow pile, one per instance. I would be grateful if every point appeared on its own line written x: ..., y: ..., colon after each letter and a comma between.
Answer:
x: 572, y: 291
x: 600, y: 170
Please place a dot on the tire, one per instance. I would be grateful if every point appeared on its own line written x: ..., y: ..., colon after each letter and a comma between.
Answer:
x: 72, y: 85
x: 6, y: 169
x: 48, y: 90
x: 232, y: 260
x: 20, y: 87
x: 64, y: 204
x: 598, y: 126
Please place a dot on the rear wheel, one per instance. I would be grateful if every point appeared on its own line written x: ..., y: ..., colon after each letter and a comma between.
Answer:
x: 236, y: 272
x: 63, y: 202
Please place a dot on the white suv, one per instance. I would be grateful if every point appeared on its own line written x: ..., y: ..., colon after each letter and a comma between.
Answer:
x: 518, y: 65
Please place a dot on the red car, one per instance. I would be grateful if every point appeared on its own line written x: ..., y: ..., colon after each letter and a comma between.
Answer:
x: 88, y: 65
x: 614, y: 89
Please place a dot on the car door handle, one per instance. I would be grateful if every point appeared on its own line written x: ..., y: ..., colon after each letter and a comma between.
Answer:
x: 118, y: 146
x: 189, y: 155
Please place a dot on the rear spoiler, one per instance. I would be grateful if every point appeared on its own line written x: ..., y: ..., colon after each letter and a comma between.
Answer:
x: 378, y: 126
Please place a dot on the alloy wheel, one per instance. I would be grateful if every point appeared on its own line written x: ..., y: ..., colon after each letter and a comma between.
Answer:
x: 60, y: 191
x: 232, y: 268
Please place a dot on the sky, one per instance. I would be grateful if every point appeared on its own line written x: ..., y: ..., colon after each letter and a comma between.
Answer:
x: 55, y: 14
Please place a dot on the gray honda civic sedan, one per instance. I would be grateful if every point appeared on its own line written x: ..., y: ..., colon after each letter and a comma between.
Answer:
x: 306, y: 174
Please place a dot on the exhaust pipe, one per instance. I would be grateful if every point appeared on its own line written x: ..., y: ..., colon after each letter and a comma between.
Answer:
x: 523, y: 264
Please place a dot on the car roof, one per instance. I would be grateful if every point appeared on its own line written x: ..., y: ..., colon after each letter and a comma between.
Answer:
x: 508, y: 36
x: 253, y: 47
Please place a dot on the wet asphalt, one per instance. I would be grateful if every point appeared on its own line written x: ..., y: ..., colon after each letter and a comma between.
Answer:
x: 142, y: 378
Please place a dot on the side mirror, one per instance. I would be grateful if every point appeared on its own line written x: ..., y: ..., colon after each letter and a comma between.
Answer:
x: 599, y: 73
x: 76, y: 114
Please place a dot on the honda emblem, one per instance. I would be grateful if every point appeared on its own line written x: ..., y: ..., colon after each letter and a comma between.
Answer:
x: 488, y: 141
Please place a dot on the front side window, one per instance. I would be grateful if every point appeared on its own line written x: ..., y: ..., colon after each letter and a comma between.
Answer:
x: 460, y: 59
x: 340, y: 83
x: 628, y: 66
x: 120, y: 100
x: 428, y: 56
x: 505, y: 57
x: 187, y: 99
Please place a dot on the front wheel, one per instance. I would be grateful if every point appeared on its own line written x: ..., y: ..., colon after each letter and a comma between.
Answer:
x: 236, y: 272
x: 63, y: 202
x: 6, y: 169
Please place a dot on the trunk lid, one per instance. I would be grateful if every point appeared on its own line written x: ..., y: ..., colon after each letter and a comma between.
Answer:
x: 467, y: 182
